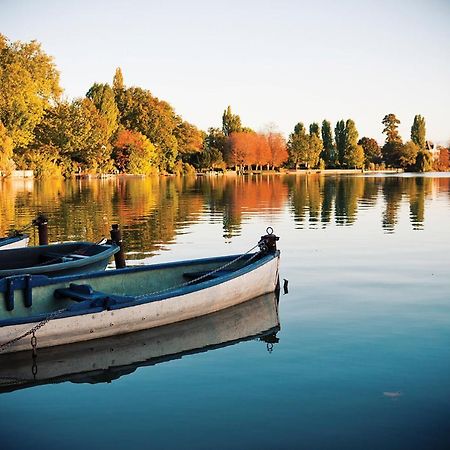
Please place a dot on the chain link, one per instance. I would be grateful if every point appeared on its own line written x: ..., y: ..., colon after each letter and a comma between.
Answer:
x: 33, y: 330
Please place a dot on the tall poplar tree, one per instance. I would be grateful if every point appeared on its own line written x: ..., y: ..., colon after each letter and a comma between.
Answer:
x: 118, y: 83
x: 418, y: 132
x: 103, y: 98
x: 354, y: 153
x: 339, y: 136
x: 328, y: 154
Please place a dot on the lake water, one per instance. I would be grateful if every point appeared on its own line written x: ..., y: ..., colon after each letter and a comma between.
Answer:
x: 357, y: 358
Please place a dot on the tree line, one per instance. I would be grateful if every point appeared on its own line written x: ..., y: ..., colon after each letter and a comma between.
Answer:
x: 120, y: 129
x: 319, y: 148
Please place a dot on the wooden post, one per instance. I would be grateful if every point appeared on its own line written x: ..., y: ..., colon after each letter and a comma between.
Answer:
x: 116, y: 237
x: 42, y: 223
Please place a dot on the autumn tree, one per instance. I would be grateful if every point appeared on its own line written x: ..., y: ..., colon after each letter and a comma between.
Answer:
x: 393, y: 146
x: 442, y: 162
x: 134, y: 153
x: 118, y: 84
x: 329, y: 150
x: 391, y: 124
x: 231, y: 123
x: 242, y: 149
x: 372, y: 151
x: 6, y: 152
x: 277, y: 148
x: 189, y: 137
x: 29, y: 85
x: 154, y: 118
x: 418, y: 132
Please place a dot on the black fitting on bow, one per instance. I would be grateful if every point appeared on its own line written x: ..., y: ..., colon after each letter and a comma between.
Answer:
x: 268, y: 243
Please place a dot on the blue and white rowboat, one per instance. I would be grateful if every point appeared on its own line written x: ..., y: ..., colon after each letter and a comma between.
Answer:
x: 76, y: 308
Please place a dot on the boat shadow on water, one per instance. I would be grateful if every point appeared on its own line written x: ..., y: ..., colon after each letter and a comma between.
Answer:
x: 107, y: 359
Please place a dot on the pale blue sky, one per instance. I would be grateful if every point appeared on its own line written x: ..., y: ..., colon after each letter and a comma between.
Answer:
x: 273, y: 61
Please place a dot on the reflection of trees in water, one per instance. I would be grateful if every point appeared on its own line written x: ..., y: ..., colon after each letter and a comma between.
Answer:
x: 152, y: 211
x: 392, y: 193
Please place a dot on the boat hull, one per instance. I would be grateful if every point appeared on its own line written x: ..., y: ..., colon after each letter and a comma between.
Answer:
x: 19, y: 241
x: 56, y: 259
x: 203, y: 298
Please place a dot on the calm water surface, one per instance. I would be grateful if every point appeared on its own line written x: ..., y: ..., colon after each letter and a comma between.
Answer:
x: 357, y: 357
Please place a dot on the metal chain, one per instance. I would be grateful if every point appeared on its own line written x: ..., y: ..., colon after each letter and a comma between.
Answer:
x: 201, y: 277
x: 33, y: 330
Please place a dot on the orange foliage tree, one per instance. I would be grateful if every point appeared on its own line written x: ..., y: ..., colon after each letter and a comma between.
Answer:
x: 134, y: 153
x: 278, y: 151
x: 254, y: 149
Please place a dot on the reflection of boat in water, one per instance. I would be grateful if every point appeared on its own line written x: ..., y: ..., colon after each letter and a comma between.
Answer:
x: 104, y: 360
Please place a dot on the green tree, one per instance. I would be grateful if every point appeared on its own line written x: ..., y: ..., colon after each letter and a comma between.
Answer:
x: 408, y: 154
x: 353, y: 153
x: 314, y: 128
x: 231, y: 123
x: 103, y: 98
x: 418, y: 132
x: 215, y: 139
x: 29, y: 83
x: 424, y: 161
x: 303, y: 148
x: 79, y: 133
x: 298, y: 145
x: 340, y: 138
x: 329, y: 150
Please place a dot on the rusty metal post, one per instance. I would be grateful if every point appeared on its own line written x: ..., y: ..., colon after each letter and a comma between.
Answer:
x: 42, y: 223
x: 116, y: 237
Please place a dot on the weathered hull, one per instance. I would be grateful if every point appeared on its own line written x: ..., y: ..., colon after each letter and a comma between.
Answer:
x: 107, y: 359
x: 203, y: 298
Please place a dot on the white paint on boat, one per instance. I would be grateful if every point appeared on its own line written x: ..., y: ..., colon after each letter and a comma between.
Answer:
x: 17, y: 244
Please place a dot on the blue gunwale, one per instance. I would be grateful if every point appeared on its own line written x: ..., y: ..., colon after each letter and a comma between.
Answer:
x: 127, y: 301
